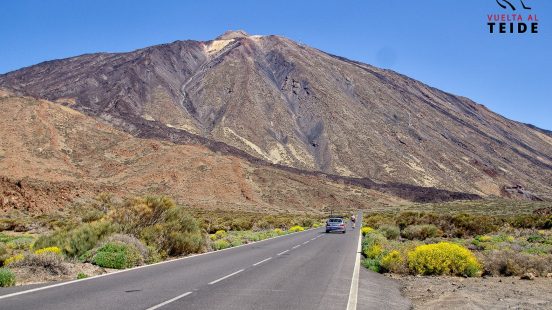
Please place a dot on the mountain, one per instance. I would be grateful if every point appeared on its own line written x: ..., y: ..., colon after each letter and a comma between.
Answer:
x: 268, y: 99
x: 52, y: 156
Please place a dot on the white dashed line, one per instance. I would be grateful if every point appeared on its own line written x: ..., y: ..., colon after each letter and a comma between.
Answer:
x: 295, y: 247
x: 284, y: 252
x: 264, y: 260
x: 305, y: 242
x: 226, y: 277
x: 169, y: 301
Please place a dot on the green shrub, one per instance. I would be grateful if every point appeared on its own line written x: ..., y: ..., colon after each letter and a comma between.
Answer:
x: 241, y: 223
x: 20, y: 243
x: 77, y: 241
x: 161, y: 224
x: 81, y: 275
x: 372, y: 264
x: 389, y: 231
x: 7, y: 278
x: 375, y: 220
x: 220, y: 245
x: 443, y: 258
x: 296, y: 228
x: 117, y: 255
x: 421, y: 232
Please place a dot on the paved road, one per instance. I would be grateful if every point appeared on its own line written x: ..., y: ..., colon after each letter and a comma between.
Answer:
x: 308, y: 270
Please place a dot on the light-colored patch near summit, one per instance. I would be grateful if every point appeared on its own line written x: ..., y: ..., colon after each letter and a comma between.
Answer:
x: 217, y: 45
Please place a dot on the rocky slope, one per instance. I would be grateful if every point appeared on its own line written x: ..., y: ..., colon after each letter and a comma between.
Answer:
x: 52, y: 156
x: 281, y: 102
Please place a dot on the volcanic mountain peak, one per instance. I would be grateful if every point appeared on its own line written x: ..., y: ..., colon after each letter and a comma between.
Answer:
x: 233, y: 34
x: 292, y: 105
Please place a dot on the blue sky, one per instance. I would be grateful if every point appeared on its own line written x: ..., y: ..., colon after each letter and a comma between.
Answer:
x: 445, y: 44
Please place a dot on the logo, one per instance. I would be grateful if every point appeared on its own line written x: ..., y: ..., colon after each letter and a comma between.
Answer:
x: 513, y: 22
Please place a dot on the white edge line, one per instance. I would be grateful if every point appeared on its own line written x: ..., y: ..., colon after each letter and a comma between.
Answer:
x: 169, y: 301
x: 284, y: 252
x: 226, y: 277
x: 144, y: 266
x: 264, y: 260
x: 353, y: 292
x: 305, y: 242
x: 295, y: 247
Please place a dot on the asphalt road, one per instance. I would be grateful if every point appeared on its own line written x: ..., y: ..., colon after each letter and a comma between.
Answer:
x: 307, y: 270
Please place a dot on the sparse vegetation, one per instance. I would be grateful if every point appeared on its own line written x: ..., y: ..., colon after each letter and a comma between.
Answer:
x: 7, y: 278
x: 117, y: 255
x: 81, y: 275
x: 458, y: 244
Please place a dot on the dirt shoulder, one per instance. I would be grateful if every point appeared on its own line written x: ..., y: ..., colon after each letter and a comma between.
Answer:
x: 476, y: 293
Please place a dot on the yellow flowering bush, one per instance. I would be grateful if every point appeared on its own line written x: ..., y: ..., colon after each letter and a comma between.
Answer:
x: 394, y: 262
x: 51, y: 249
x: 365, y: 230
x: 443, y: 258
x: 279, y: 232
x: 220, y: 234
x: 296, y: 228
x: 13, y: 259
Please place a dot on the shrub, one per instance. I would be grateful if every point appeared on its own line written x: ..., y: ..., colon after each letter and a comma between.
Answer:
x: 161, y: 224
x: 395, y: 262
x: 372, y: 245
x: 316, y: 225
x: 296, y: 228
x: 51, y: 262
x: 372, y: 264
x: 117, y: 255
x: 20, y: 243
x: 279, y: 232
x: 389, y: 231
x: 77, y: 241
x: 470, y: 225
x: 220, y: 234
x: 241, y: 223
x: 220, y: 245
x: 511, y: 263
x: 483, y: 238
x: 7, y: 278
x: 366, y: 230
x: 133, y: 241
x: 3, y: 253
x: 52, y: 249
x: 81, y: 275
x: 375, y: 220
x: 13, y: 259
x: 421, y: 232
x: 443, y: 258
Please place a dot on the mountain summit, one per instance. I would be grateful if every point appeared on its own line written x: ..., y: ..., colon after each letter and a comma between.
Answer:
x: 289, y: 104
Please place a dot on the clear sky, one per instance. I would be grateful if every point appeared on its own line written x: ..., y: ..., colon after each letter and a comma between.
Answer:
x: 444, y: 43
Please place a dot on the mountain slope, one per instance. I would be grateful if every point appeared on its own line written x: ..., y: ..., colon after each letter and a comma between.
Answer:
x: 286, y: 103
x: 51, y: 156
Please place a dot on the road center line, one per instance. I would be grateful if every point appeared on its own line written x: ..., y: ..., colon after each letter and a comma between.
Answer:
x: 284, y: 252
x: 264, y: 260
x: 226, y: 277
x: 295, y: 247
x: 169, y: 301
